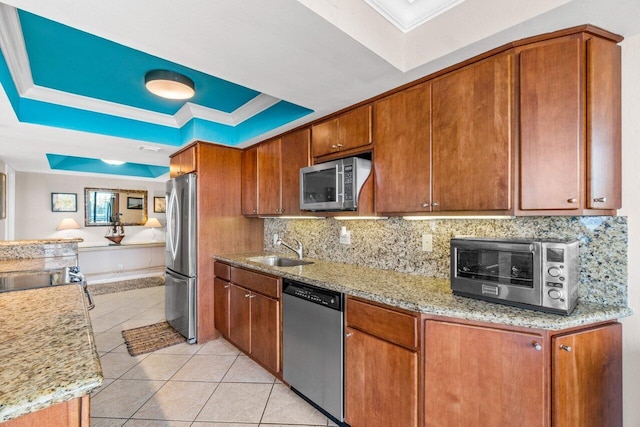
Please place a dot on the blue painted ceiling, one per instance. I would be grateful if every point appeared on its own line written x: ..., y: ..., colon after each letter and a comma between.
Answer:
x: 68, y: 60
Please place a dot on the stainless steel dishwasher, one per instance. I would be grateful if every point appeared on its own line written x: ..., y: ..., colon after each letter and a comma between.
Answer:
x: 313, y: 345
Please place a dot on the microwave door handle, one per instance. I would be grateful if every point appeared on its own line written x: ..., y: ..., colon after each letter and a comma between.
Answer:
x: 339, y: 185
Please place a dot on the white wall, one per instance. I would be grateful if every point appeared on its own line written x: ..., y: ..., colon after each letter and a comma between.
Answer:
x: 631, y: 208
x: 34, y: 219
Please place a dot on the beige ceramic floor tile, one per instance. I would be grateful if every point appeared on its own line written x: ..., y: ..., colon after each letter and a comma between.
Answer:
x: 183, y: 348
x: 105, y: 383
x: 156, y: 423
x: 241, y: 403
x: 107, y: 422
x: 286, y: 407
x: 115, y: 364
x: 206, y: 424
x: 177, y: 400
x: 219, y: 347
x: 157, y: 367
x: 205, y: 368
x: 123, y: 398
x: 245, y: 370
x: 107, y: 341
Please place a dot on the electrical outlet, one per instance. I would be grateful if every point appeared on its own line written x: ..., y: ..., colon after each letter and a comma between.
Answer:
x: 427, y: 242
x: 345, y: 236
x: 275, y: 239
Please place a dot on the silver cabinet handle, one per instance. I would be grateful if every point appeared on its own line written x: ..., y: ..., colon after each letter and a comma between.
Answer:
x: 348, y: 334
x: 572, y: 200
x: 226, y: 286
x: 565, y: 347
x: 435, y: 204
x: 425, y: 205
x: 247, y: 295
x: 536, y: 345
x: 600, y: 199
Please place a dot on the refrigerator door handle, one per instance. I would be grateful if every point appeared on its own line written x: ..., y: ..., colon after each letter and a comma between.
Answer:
x: 173, y: 231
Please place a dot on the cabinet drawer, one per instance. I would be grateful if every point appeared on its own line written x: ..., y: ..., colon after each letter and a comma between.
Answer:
x: 261, y: 283
x: 388, y: 324
x: 223, y: 271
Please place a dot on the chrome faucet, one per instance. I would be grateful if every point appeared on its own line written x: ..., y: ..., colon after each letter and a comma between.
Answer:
x: 297, y: 251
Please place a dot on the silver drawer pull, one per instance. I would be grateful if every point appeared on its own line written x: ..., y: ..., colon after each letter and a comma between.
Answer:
x: 600, y: 199
x: 572, y: 200
x: 566, y: 347
x: 435, y: 204
x: 247, y: 295
x: 536, y: 345
x: 425, y: 205
x: 348, y: 334
x: 226, y: 286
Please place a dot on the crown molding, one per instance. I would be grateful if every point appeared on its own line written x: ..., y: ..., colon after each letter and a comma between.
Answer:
x: 14, y: 49
x: 253, y: 107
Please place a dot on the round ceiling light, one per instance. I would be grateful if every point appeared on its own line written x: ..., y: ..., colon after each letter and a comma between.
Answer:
x: 169, y: 84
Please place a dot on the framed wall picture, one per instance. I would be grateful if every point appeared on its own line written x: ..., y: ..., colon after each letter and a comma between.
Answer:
x: 159, y: 204
x: 3, y: 196
x: 134, y: 202
x: 64, y: 202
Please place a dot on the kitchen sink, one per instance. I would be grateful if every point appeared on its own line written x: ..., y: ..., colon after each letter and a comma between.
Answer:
x: 279, y: 261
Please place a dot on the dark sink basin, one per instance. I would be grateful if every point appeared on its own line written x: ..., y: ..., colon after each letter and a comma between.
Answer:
x: 279, y: 261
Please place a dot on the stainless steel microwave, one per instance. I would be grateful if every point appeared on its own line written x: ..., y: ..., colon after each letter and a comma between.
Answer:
x: 538, y: 274
x: 333, y: 186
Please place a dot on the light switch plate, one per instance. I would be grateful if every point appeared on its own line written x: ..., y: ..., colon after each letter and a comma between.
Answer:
x: 427, y: 242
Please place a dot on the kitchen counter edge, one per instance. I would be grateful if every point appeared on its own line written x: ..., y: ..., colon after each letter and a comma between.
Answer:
x: 426, y: 295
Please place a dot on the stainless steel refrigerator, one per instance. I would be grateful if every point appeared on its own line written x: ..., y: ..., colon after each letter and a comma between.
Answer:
x: 181, y: 256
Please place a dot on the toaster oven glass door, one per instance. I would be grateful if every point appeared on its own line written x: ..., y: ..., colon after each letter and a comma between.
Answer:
x: 496, y: 266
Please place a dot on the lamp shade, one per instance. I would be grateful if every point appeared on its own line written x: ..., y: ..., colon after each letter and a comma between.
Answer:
x: 68, y: 224
x: 153, y: 222
x: 169, y: 84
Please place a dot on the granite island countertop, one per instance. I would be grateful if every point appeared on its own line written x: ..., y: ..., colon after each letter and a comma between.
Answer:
x: 47, y: 350
x: 422, y: 294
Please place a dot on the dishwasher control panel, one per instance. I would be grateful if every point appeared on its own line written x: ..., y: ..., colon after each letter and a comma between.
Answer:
x: 313, y: 294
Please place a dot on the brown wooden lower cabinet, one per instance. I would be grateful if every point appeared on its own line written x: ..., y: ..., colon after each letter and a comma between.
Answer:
x: 481, y: 375
x: 247, y: 312
x: 587, y: 377
x: 73, y: 413
x: 476, y: 376
x: 381, y: 376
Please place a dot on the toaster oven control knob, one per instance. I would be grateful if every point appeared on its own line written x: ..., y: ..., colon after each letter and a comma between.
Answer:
x: 554, y: 271
x: 555, y: 294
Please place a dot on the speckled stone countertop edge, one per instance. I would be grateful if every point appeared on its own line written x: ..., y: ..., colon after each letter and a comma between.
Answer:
x: 39, y: 242
x: 432, y: 296
x: 75, y: 385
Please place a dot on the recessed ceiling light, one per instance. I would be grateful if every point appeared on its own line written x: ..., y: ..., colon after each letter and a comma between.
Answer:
x: 409, y: 14
x: 149, y: 148
x: 169, y: 84
x: 113, y: 162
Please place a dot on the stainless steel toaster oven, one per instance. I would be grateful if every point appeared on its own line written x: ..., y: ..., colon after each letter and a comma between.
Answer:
x: 537, y: 274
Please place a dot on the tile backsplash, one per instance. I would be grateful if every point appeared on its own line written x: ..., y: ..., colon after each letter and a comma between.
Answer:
x: 396, y: 244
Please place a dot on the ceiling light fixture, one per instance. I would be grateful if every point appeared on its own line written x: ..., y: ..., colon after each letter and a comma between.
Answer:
x: 169, y: 84
x: 113, y: 162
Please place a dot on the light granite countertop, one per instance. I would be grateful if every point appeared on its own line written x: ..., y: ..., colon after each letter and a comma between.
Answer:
x: 424, y: 294
x: 10, y: 243
x: 47, y: 351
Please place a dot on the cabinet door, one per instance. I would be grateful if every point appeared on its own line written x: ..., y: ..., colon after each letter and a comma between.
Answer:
x: 324, y: 138
x: 240, y: 317
x: 471, y: 137
x: 403, y: 151
x: 481, y: 376
x: 587, y: 378
x: 381, y: 382
x: 550, y: 125
x: 265, y: 331
x: 188, y: 161
x: 354, y: 128
x: 294, y: 154
x: 221, y: 306
x: 604, y: 188
x: 250, y: 181
x: 269, y: 178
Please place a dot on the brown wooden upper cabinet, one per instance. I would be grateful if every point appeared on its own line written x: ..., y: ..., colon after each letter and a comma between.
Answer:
x: 570, y: 144
x: 345, y: 132
x: 183, y: 162
x: 271, y: 175
x: 445, y: 145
